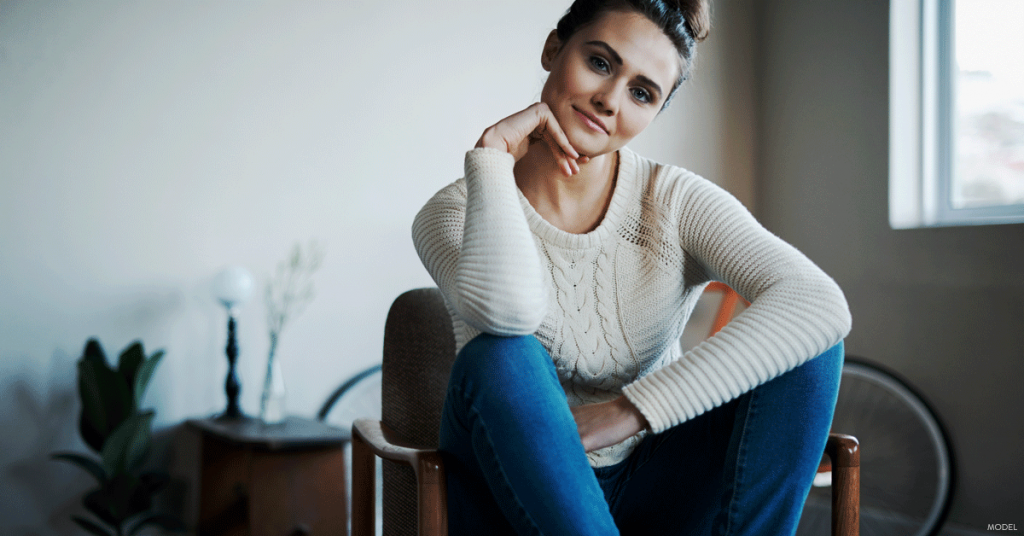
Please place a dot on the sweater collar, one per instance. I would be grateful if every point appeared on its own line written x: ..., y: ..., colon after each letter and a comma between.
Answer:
x: 625, y: 185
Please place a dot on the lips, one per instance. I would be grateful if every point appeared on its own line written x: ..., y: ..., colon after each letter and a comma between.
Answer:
x: 591, y: 120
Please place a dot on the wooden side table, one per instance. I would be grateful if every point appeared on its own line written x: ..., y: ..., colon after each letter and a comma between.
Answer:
x: 257, y: 479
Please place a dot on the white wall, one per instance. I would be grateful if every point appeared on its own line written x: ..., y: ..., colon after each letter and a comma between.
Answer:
x: 143, y: 146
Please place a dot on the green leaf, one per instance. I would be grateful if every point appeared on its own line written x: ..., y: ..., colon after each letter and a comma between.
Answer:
x: 164, y: 521
x: 127, y: 445
x: 92, y: 422
x: 144, y: 375
x: 91, y: 466
x: 99, y: 504
x: 90, y: 527
x: 129, y: 361
x: 94, y: 352
x: 134, y: 495
x: 106, y: 396
x: 125, y: 496
x: 89, y: 434
x: 98, y: 387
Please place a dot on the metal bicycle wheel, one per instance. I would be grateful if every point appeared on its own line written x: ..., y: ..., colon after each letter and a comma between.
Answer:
x: 907, y: 470
x: 356, y: 398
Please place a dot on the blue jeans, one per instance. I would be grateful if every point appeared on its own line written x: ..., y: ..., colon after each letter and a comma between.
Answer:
x: 515, y: 463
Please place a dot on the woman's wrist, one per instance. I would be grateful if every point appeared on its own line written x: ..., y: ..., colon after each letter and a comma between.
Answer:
x: 633, y: 412
x: 489, y: 141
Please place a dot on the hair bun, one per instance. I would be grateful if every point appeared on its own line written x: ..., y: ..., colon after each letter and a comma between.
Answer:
x: 698, y: 17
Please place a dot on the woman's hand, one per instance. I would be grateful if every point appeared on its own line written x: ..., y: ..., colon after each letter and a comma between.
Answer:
x: 605, y: 424
x: 516, y: 132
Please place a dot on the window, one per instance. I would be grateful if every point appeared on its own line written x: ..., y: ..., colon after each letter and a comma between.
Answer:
x: 956, y: 112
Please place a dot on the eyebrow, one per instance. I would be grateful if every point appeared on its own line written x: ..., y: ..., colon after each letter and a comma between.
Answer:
x: 618, y: 59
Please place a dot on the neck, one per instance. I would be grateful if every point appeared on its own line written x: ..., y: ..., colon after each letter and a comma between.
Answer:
x: 573, y: 204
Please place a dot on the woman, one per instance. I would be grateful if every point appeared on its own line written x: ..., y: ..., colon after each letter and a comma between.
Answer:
x: 570, y: 264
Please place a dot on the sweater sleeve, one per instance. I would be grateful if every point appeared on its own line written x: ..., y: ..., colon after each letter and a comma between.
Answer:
x: 480, y: 251
x: 796, y: 312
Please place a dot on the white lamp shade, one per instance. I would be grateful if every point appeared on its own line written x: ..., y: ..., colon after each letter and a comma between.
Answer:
x: 233, y: 286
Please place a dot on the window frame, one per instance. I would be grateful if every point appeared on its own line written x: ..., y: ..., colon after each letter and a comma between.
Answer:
x: 922, y: 121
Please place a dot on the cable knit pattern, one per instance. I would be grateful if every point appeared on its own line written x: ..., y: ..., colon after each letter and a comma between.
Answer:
x: 610, y: 305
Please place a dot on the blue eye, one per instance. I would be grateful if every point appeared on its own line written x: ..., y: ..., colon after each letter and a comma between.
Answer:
x: 641, y: 94
x: 599, y: 64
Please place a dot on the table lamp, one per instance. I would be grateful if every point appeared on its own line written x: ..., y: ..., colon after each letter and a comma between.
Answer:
x: 232, y: 287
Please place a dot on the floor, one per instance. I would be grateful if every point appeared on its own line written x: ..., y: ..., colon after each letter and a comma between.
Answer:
x: 817, y: 521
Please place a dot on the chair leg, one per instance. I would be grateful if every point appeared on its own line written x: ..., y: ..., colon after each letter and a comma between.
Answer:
x: 363, y: 488
x: 432, y: 495
x: 844, y: 452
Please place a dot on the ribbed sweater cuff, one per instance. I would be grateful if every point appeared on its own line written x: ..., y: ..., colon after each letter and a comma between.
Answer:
x: 656, y: 408
x: 486, y: 162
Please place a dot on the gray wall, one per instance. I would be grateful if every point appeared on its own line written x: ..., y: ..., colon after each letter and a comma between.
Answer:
x: 943, y: 307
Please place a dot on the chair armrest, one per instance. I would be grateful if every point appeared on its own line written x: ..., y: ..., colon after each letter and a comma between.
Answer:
x: 371, y: 437
x: 844, y: 454
x: 843, y: 450
x: 387, y: 444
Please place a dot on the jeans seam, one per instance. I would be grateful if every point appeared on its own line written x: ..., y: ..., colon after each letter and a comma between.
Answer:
x: 524, y: 514
x: 731, y: 512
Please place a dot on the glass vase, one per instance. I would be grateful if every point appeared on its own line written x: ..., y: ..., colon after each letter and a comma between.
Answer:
x: 272, y: 402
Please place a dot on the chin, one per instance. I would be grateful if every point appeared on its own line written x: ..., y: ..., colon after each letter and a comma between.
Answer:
x: 587, y: 147
x: 594, y: 152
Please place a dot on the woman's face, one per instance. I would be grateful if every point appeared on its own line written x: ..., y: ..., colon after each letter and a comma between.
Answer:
x: 609, y: 80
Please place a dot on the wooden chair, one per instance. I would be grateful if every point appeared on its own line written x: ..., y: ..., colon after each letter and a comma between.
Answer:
x: 419, y: 348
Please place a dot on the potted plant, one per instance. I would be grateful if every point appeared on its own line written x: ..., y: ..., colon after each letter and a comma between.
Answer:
x: 114, y: 425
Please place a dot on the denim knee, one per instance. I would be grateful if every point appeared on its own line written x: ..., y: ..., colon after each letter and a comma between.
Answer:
x: 829, y: 364
x: 489, y: 358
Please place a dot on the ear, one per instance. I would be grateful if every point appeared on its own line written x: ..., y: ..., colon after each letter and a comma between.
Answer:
x: 551, y: 47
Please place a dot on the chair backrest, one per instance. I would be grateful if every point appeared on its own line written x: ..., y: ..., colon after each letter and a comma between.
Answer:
x: 419, y: 349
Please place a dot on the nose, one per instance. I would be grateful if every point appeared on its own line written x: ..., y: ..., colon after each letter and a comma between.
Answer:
x: 609, y: 97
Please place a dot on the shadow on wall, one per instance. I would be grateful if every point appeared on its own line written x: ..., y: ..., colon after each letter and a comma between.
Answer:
x: 44, y: 493
x: 35, y: 488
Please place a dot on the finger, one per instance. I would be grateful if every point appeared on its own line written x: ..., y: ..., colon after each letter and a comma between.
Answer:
x: 566, y: 159
x: 549, y: 127
x: 574, y: 165
x: 566, y: 168
x: 566, y: 163
x: 554, y: 130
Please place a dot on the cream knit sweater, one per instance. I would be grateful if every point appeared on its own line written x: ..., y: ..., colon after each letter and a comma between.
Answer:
x: 610, y: 305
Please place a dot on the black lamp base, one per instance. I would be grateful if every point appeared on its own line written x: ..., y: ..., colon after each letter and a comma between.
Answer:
x: 231, y: 385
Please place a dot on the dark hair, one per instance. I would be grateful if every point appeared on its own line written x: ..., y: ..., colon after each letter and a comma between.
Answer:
x: 685, y: 22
